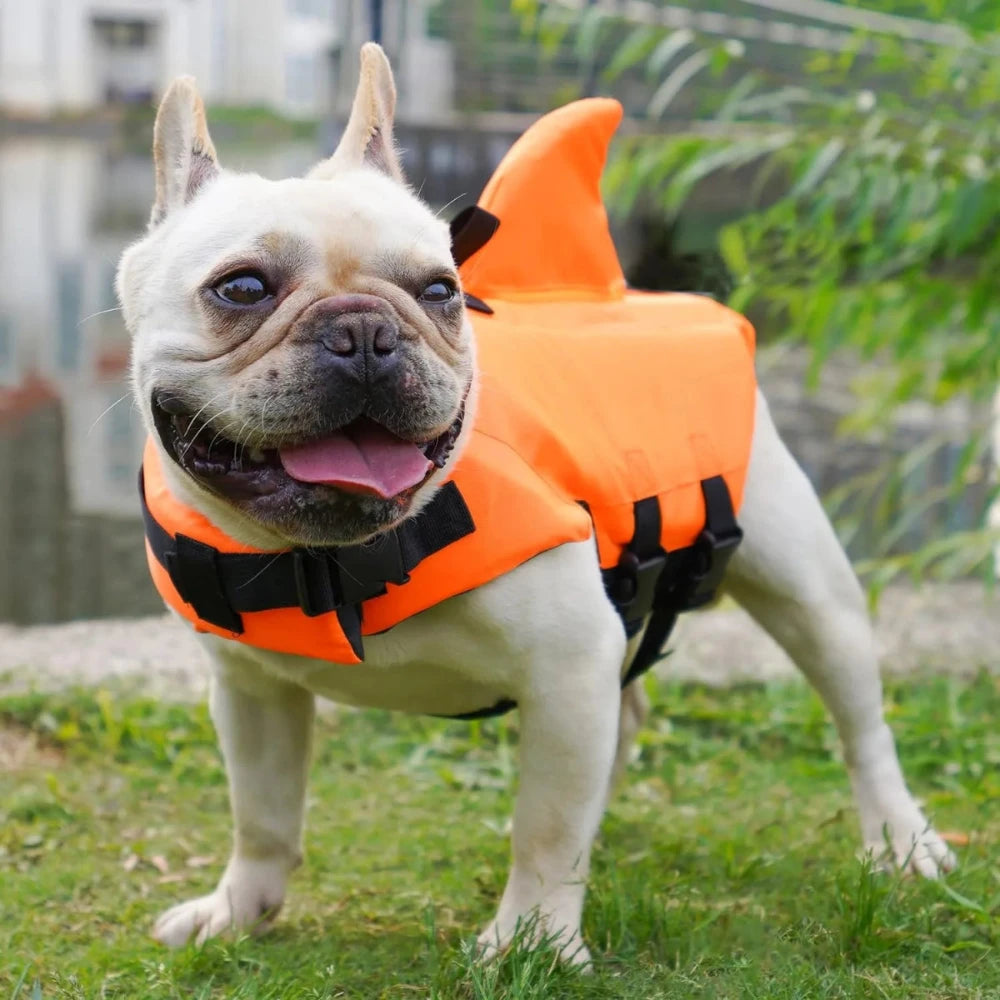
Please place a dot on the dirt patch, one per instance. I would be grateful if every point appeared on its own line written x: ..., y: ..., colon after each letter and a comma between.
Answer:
x: 937, y: 628
x: 21, y: 750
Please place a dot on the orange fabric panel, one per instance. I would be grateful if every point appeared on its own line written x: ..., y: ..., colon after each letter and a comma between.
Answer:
x: 616, y: 401
x: 517, y: 516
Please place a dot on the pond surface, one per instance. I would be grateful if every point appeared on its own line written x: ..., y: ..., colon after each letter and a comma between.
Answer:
x: 70, y: 536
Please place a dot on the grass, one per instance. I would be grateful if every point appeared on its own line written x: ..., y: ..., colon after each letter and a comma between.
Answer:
x: 725, y: 868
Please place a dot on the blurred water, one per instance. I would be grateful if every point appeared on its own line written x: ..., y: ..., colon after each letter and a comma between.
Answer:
x: 70, y: 536
x: 70, y: 539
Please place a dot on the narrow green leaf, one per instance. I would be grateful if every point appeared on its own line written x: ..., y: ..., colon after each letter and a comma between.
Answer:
x: 821, y: 164
x: 588, y: 32
x: 666, y: 50
x: 633, y: 50
x: 674, y: 83
x: 739, y: 92
x: 733, y: 250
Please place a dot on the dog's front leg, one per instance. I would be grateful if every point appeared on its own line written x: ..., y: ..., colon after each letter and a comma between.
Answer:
x: 265, y: 730
x: 569, y: 730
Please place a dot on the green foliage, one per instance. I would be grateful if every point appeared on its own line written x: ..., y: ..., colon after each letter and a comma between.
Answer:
x: 866, y: 216
x: 885, y: 237
x: 725, y: 867
x: 497, y: 69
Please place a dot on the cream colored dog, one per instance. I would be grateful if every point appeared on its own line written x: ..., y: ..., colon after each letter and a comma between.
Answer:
x: 211, y: 336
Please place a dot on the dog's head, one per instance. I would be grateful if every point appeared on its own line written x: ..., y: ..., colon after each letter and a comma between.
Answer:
x: 301, y: 351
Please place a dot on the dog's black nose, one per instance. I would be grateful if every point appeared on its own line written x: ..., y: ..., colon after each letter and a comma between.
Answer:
x: 357, y: 337
x: 371, y: 333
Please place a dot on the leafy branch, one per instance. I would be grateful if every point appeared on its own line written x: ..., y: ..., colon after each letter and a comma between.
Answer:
x: 868, y: 165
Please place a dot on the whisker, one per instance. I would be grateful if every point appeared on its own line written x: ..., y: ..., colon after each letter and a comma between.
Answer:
x: 107, y: 411
x: 343, y: 569
x: 218, y: 434
x: 261, y: 571
x: 203, y: 407
x: 103, y: 312
x: 243, y: 444
x: 263, y: 410
x: 205, y: 424
x: 444, y: 208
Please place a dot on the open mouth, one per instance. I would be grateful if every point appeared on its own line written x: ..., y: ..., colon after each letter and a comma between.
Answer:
x: 362, y: 457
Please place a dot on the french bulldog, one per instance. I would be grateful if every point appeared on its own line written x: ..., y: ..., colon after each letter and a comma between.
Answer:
x: 235, y: 299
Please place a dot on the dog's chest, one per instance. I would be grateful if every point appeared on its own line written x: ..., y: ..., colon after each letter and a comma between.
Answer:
x: 496, y: 643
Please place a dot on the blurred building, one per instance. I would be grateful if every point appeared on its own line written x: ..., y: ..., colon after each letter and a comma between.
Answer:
x: 421, y: 55
x: 291, y: 56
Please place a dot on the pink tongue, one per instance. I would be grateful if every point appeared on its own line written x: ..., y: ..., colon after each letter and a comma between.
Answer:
x: 366, y: 459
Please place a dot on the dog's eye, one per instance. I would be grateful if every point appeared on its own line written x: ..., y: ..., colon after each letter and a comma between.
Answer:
x: 438, y: 292
x: 245, y: 289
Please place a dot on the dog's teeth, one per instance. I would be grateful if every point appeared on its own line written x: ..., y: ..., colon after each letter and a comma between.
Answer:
x: 256, y: 455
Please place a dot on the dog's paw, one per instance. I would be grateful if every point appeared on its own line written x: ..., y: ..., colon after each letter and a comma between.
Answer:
x: 908, y: 842
x: 568, y: 944
x: 246, y: 901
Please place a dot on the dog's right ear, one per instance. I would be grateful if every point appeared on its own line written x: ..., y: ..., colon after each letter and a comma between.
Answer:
x: 367, y: 138
x: 183, y: 154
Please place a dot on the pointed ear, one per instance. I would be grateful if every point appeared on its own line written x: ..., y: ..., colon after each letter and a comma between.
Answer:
x: 367, y: 139
x: 183, y: 153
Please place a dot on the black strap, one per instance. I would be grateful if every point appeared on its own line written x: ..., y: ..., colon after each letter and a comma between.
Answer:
x: 192, y: 566
x: 650, y: 583
x: 471, y: 230
x: 502, y: 707
x: 222, y: 585
x: 472, y: 302
x: 631, y: 585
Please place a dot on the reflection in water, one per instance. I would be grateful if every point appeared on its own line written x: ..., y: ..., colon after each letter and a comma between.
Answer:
x: 70, y: 439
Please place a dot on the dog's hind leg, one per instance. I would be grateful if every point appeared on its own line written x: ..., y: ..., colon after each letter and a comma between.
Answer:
x: 265, y: 731
x: 793, y: 577
x: 635, y: 708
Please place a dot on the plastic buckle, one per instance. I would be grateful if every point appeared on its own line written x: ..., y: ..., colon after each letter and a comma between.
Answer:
x: 635, y: 581
x: 711, y: 554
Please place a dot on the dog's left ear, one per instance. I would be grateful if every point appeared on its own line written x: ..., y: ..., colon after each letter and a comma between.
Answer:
x: 183, y: 153
x: 367, y: 139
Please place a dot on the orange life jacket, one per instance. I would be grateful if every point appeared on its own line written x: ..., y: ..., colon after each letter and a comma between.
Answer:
x: 603, y: 412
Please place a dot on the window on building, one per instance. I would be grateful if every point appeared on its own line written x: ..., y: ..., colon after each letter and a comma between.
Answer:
x: 124, y: 66
x: 123, y: 34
